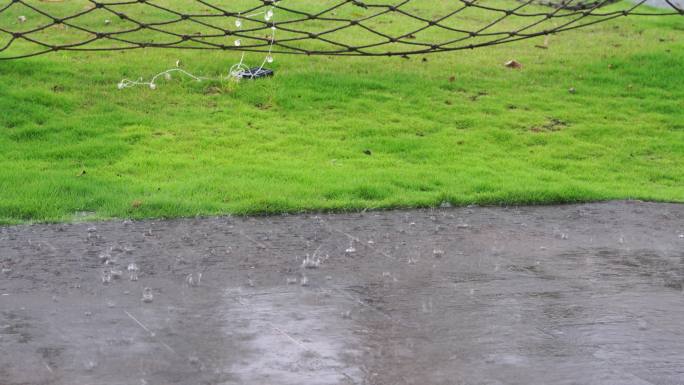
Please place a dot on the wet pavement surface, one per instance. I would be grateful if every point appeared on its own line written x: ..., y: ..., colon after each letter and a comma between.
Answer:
x: 576, y: 294
x: 670, y: 5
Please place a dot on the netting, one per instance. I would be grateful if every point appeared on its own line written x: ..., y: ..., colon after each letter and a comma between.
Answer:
x: 311, y: 27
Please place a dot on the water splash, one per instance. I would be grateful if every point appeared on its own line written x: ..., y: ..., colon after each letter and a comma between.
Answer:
x: 193, y: 279
x: 106, y: 277
x: 147, y: 295
x: 116, y: 273
x: 105, y: 257
x: 132, y: 271
x: 351, y: 249
x: 311, y: 262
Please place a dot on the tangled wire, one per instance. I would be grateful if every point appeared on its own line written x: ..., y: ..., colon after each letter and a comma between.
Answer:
x: 312, y: 27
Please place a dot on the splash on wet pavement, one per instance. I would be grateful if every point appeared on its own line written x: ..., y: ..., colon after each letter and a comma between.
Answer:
x: 524, y: 295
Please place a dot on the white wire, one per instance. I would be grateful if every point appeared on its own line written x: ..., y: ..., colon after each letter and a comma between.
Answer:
x: 126, y: 83
x: 236, y: 71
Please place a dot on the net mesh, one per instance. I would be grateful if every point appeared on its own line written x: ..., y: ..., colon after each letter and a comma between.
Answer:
x: 312, y: 27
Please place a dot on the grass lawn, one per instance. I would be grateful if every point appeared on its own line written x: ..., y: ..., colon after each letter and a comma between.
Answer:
x: 347, y: 133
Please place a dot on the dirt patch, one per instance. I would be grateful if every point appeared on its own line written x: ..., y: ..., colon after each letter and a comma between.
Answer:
x: 552, y: 125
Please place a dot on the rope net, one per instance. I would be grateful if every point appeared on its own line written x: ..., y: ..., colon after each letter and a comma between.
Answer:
x: 311, y: 27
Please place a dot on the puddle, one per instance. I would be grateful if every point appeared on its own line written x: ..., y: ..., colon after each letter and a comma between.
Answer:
x: 291, y: 338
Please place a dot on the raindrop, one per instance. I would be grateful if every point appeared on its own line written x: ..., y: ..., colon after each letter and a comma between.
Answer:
x: 291, y: 280
x: 107, y: 22
x: 269, y: 15
x: 462, y: 225
x: 22, y: 19
x: 92, y: 229
x: 386, y: 274
x: 6, y: 270
x: 238, y: 23
x: 427, y: 306
x: 346, y: 314
x: 90, y: 365
x: 304, y: 281
x: 437, y: 253
x: 147, y: 296
x: 269, y: 59
x: 194, y: 361
x: 238, y: 42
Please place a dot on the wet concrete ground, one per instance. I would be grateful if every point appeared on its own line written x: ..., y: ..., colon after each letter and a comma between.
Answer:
x: 670, y: 5
x: 579, y: 294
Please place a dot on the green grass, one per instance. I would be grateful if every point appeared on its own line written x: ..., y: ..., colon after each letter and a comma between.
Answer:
x: 72, y: 146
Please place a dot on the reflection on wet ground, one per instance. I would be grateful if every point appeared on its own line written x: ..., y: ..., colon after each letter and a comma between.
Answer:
x: 573, y: 294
